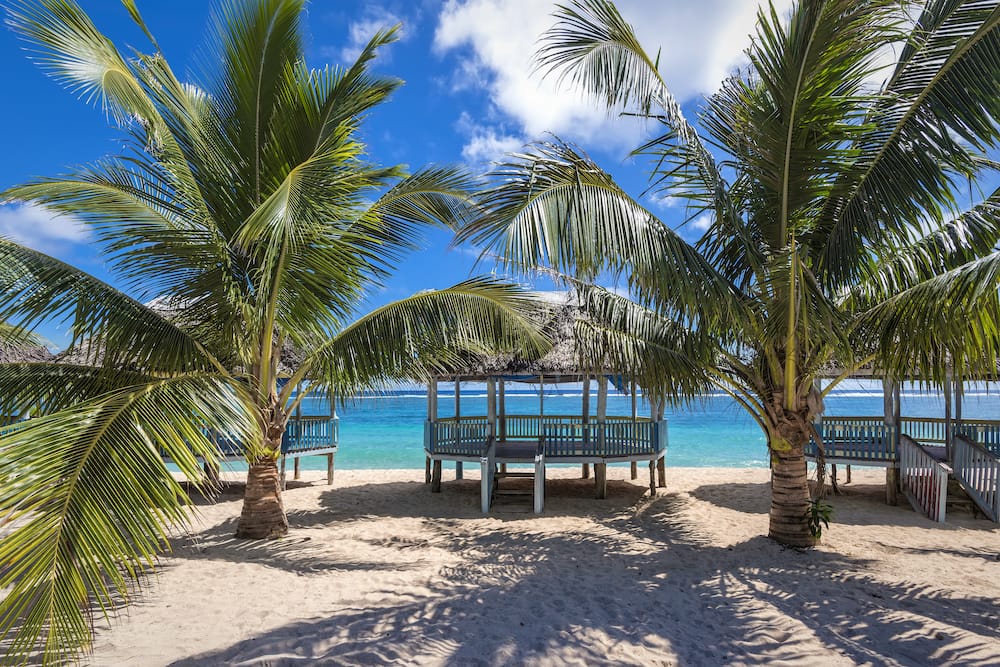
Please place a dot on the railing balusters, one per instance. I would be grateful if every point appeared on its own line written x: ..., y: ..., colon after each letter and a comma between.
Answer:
x: 924, y: 479
x: 978, y: 471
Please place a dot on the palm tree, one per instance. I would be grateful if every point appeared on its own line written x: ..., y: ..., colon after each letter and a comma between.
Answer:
x: 248, y: 206
x: 845, y: 222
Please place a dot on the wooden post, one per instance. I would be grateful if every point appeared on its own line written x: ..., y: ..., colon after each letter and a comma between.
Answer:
x: 661, y: 463
x: 491, y: 406
x: 436, y: 476
x: 329, y: 468
x: 585, y: 472
x: 458, y: 420
x: 959, y: 391
x: 296, y: 473
x: 432, y: 411
x: 502, y: 417
x: 634, y: 472
x: 503, y: 411
x: 890, y: 417
x: 947, y: 414
x: 652, y: 478
x: 601, y: 480
x: 284, y: 481
x: 541, y: 399
x: 601, y: 469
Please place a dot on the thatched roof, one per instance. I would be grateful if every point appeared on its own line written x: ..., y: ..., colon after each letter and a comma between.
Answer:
x: 562, y: 312
x: 88, y: 352
x: 12, y: 353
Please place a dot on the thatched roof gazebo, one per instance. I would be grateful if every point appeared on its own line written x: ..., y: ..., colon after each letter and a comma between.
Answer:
x: 498, y: 439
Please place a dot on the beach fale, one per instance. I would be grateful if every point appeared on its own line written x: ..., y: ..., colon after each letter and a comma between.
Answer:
x: 920, y: 454
x: 497, y: 439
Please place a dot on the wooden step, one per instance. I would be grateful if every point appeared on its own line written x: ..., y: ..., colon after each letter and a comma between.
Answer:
x: 505, y: 475
x: 513, y: 492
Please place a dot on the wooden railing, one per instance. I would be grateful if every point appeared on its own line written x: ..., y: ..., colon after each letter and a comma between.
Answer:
x: 978, y: 471
x: 563, y: 435
x: 319, y: 434
x: 927, y: 430
x: 985, y: 432
x: 464, y: 436
x: 855, y: 438
x: 923, y: 478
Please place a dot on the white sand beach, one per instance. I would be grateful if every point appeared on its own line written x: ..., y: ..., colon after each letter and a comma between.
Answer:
x: 379, y: 570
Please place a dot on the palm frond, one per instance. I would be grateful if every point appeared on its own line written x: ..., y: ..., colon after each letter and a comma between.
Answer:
x: 428, y: 334
x: 35, y: 288
x: 555, y: 207
x: 88, y: 501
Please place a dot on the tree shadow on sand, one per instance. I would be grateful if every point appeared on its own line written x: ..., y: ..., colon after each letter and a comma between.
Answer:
x: 494, y: 604
x: 851, y: 506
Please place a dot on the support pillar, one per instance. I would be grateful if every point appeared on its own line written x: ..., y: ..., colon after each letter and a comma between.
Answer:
x: 432, y: 413
x: 652, y: 479
x: 436, y: 476
x: 661, y: 463
x: 585, y: 471
x: 296, y: 472
x: 491, y: 406
x: 458, y: 415
x: 947, y: 414
x: 890, y: 405
x: 634, y: 468
x: 329, y: 468
x: 601, y: 480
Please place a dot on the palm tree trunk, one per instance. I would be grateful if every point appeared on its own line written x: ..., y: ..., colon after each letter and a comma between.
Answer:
x: 263, y: 515
x: 790, y: 496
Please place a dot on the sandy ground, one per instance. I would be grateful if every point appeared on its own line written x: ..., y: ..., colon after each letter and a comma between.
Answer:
x: 378, y: 570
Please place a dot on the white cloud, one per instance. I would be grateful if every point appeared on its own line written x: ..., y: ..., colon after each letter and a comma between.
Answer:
x: 702, y: 222
x: 361, y: 31
x: 486, y: 144
x: 701, y: 41
x: 39, y: 228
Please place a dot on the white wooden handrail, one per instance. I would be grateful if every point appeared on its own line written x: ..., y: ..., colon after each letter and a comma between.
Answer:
x: 924, y: 479
x: 978, y: 471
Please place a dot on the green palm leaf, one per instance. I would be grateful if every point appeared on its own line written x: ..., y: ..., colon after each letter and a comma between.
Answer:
x: 87, y: 500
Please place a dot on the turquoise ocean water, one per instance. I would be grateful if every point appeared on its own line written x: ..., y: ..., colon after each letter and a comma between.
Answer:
x: 387, y: 431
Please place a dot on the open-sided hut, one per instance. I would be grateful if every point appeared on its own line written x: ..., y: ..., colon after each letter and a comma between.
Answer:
x: 498, y: 439
x: 920, y: 454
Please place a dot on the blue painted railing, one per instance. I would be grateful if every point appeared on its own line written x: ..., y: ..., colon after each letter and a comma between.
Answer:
x: 855, y: 438
x: 562, y: 435
x: 984, y: 432
x: 306, y: 435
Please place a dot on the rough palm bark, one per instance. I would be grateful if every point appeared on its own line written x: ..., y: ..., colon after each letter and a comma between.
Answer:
x: 263, y: 515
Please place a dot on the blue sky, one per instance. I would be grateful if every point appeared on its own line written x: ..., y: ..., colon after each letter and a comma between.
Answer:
x: 470, y: 95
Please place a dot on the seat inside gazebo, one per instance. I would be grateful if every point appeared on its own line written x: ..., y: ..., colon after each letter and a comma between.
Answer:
x: 498, y: 442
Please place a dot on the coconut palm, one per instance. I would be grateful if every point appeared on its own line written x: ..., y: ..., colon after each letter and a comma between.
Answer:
x: 842, y: 227
x: 247, y: 205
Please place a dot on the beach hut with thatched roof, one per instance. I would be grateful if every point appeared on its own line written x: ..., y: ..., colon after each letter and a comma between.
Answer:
x: 305, y: 435
x: 498, y: 439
